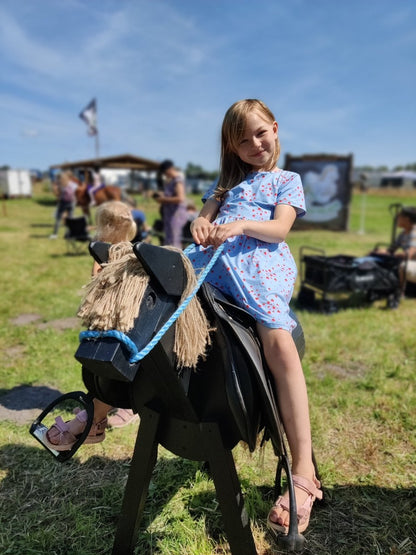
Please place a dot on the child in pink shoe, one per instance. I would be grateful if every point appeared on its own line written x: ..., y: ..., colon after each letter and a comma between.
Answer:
x: 115, y: 224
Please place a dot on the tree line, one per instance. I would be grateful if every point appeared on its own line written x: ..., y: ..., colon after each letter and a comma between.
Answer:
x: 406, y: 167
x: 198, y: 172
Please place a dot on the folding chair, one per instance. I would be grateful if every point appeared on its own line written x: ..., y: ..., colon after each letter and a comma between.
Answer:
x: 76, y: 234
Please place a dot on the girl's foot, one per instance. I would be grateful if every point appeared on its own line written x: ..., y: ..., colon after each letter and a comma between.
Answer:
x: 63, y: 435
x: 306, y: 492
x: 118, y: 418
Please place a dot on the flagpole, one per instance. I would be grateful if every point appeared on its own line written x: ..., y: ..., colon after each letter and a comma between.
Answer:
x: 89, y: 115
x: 363, y: 189
x: 97, y: 146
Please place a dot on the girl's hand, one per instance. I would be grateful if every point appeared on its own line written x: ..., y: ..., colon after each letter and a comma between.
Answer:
x: 200, y: 229
x: 220, y: 233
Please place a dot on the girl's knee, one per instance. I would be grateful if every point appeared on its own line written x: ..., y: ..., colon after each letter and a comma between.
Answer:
x: 279, y: 347
x: 276, y: 339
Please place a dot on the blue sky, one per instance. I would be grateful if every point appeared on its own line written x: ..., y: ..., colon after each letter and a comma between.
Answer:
x: 339, y: 76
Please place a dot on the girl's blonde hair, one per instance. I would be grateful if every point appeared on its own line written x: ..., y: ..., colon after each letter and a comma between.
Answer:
x: 115, y: 223
x: 233, y: 169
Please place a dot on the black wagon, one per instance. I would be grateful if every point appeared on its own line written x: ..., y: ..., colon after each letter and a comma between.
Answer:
x: 329, y: 282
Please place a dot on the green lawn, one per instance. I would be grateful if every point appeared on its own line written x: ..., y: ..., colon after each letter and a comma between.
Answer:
x: 360, y: 370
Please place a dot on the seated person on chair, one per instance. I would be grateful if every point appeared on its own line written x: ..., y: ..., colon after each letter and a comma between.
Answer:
x: 405, y: 245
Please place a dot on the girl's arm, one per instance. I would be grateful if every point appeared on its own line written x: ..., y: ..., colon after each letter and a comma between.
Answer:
x: 411, y: 253
x: 202, y: 225
x: 271, y: 231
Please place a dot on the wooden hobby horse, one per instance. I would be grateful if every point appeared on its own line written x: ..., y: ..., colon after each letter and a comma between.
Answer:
x: 196, y: 414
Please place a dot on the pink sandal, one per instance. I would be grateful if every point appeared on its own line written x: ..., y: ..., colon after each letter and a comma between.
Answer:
x: 118, y: 418
x: 303, y: 512
x: 60, y: 438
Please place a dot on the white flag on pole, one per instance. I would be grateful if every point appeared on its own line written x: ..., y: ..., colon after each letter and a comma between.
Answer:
x: 89, y: 115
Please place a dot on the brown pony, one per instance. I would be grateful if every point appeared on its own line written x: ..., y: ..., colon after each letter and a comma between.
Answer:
x: 108, y: 192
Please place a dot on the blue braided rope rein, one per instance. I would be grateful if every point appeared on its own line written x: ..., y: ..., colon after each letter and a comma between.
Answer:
x: 135, y: 354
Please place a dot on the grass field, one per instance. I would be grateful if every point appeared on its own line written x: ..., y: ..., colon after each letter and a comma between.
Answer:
x: 360, y: 370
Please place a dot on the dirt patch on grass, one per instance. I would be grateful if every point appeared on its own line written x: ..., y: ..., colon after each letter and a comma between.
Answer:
x: 24, y: 319
x: 347, y: 372
x: 23, y: 403
x: 60, y: 324
x: 11, y: 354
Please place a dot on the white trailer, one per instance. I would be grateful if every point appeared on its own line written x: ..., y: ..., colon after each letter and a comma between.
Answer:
x: 15, y: 183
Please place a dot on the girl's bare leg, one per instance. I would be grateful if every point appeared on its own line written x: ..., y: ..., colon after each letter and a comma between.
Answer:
x: 100, y: 410
x: 284, y: 363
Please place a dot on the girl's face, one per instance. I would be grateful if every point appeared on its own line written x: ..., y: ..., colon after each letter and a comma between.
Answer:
x: 257, y: 145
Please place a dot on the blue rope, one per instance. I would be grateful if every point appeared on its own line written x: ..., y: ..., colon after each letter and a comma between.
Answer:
x: 137, y: 355
x: 119, y: 335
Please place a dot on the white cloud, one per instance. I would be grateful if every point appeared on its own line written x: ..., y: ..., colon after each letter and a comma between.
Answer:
x: 30, y: 132
x: 165, y: 72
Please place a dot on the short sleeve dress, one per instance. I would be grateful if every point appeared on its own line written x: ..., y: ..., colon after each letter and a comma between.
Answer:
x: 259, y: 276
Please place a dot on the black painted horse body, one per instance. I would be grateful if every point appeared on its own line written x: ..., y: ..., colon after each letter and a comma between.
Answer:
x: 232, y: 385
x: 196, y: 414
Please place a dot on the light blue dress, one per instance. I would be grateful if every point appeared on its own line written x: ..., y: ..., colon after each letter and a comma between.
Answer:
x: 259, y: 276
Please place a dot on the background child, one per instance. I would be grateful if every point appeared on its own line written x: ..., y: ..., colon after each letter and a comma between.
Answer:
x: 252, y: 208
x: 115, y: 224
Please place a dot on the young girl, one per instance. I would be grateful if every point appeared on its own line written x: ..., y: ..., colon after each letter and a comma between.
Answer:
x: 115, y: 224
x: 252, y: 208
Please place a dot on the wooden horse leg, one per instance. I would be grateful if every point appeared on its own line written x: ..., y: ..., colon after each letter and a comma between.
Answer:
x: 141, y: 468
x: 229, y: 495
x: 199, y: 440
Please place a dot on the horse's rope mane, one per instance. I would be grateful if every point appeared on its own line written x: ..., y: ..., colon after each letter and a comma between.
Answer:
x: 112, y: 301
